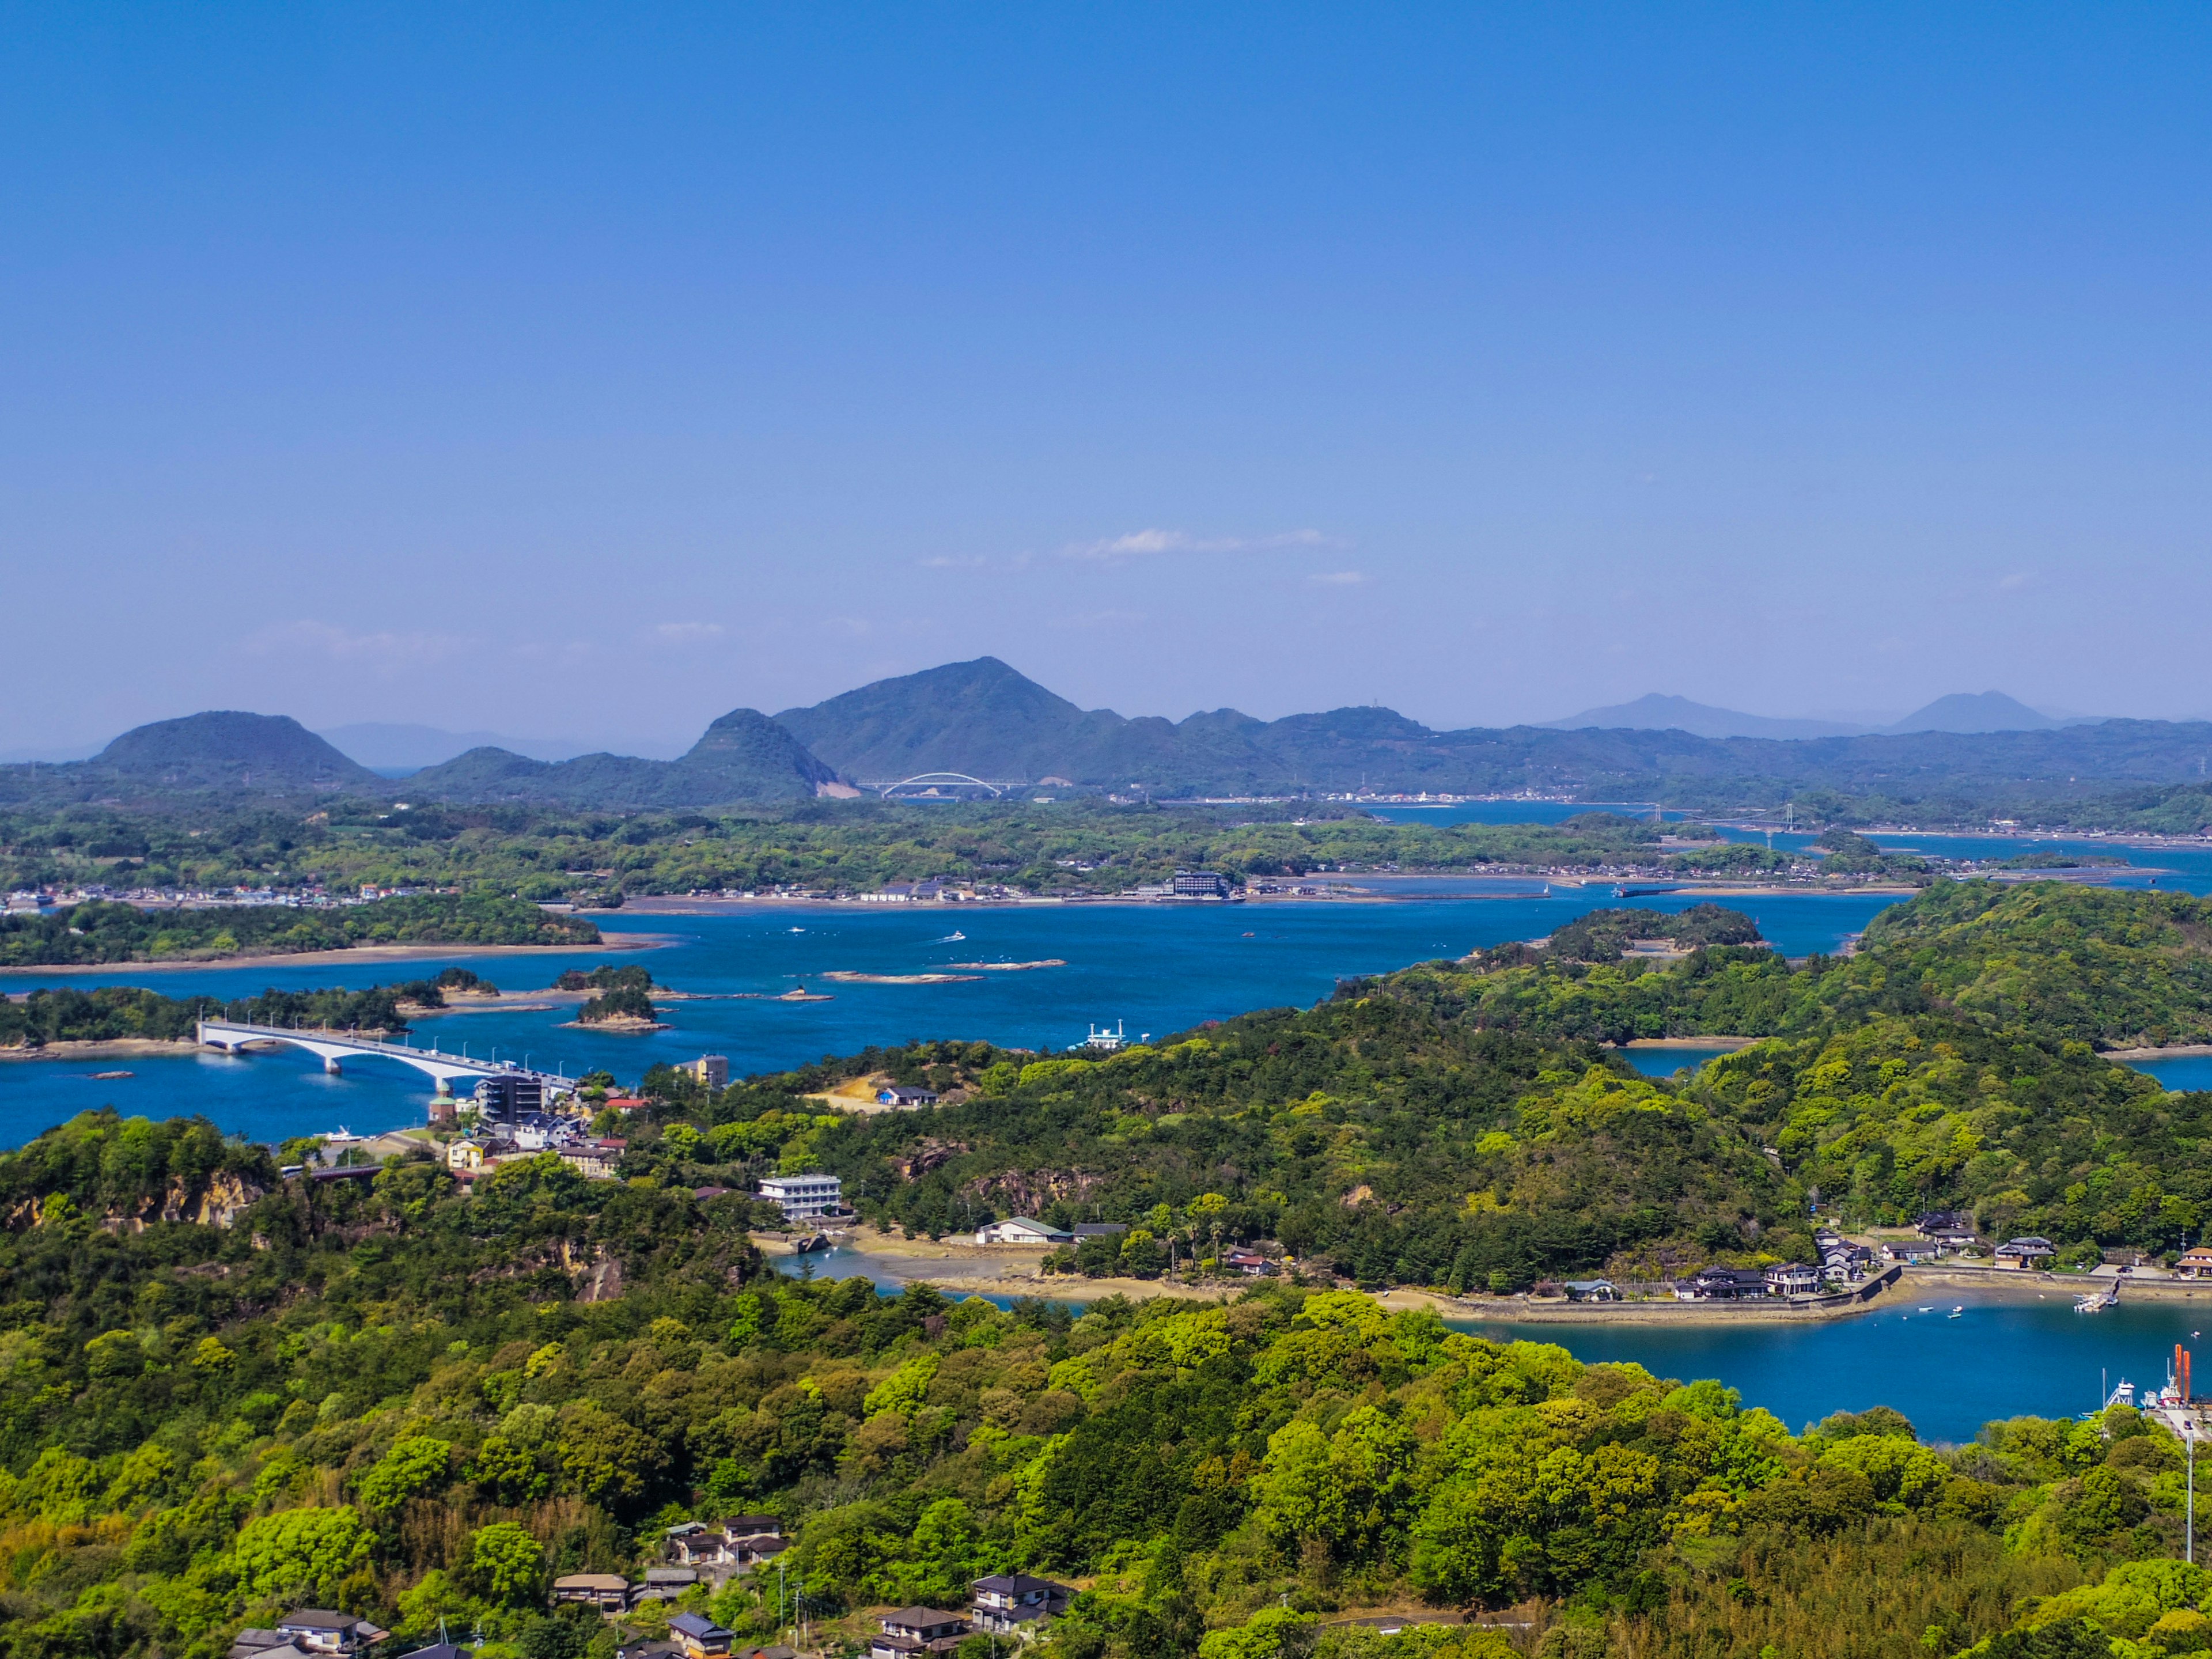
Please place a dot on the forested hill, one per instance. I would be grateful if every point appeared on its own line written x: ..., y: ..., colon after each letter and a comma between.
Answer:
x: 217, y: 753
x: 419, y: 1406
x: 1459, y: 1123
x: 2108, y: 967
x: 100, y: 932
x: 743, y: 756
x: 985, y: 720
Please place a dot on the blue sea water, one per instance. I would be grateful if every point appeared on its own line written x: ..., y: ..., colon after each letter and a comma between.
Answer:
x: 1153, y: 969
x: 1997, y: 1359
x: 1158, y: 968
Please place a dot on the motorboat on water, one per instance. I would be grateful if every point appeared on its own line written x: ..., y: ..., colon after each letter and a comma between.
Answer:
x: 2097, y: 1301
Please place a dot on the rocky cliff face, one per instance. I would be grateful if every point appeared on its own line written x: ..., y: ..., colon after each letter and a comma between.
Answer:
x: 218, y: 1202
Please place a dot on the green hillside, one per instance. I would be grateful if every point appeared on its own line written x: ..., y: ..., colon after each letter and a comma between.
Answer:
x: 742, y: 756
x: 419, y: 1406
x: 218, y: 753
x: 2108, y: 967
x: 98, y: 932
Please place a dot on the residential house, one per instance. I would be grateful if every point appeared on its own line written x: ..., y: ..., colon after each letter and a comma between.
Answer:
x: 898, y: 1094
x: 1591, y: 1290
x: 1021, y: 1229
x: 465, y: 1155
x: 1006, y: 1601
x: 308, y: 1630
x: 2196, y: 1262
x: 607, y: 1591
x: 698, y: 1637
x: 624, y: 1103
x: 1249, y: 1263
x: 2021, y: 1254
x: 1100, y: 1229
x: 1723, y: 1285
x: 805, y: 1197
x: 540, y: 1132
x: 912, y: 1631
x: 1845, y: 1264
x: 754, y: 1538
x: 1793, y: 1278
x: 596, y: 1160
x: 1951, y: 1227
x: 693, y: 1544
x: 665, y: 1583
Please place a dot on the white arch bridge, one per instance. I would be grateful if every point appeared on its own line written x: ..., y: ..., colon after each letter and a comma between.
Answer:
x: 935, y: 783
x: 332, y: 1047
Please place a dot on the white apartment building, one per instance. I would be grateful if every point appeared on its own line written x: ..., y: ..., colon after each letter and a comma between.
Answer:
x: 805, y: 1197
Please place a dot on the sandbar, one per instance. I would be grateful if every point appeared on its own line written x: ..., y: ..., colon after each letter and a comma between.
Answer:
x: 843, y: 976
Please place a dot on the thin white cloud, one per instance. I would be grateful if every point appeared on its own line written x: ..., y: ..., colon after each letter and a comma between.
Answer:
x: 2016, y: 581
x: 1339, y: 578
x: 689, y: 633
x: 955, y: 561
x: 382, y: 649
x: 1148, y: 544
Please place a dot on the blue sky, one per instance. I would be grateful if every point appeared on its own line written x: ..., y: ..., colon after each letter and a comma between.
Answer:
x: 592, y: 372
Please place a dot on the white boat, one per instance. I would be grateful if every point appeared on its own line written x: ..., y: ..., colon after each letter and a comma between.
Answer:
x: 2098, y: 1303
x: 341, y: 1137
x: 1959, y: 1310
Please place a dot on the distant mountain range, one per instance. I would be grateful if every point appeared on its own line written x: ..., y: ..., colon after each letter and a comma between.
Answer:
x: 984, y: 720
x: 1962, y: 712
x: 398, y: 748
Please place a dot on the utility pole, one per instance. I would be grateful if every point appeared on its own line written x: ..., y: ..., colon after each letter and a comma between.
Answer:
x: 2189, y: 1547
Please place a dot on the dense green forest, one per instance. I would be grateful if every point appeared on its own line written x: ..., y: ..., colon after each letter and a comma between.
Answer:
x: 111, y: 1012
x: 418, y: 1405
x: 100, y: 931
x: 1071, y: 846
x: 1460, y: 1125
x: 2114, y: 969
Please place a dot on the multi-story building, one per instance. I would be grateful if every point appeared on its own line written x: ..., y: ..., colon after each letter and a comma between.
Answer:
x: 805, y: 1197
x: 1200, y: 883
x: 710, y: 1070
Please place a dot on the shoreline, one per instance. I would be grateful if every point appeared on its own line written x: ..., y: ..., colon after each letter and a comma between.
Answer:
x: 1730, y: 1043
x: 960, y: 1269
x: 356, y: 953
x: 109, y: 1048
x: 1357, y: 891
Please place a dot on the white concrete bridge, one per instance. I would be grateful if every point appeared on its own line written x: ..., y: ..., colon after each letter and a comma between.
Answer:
x: 936, y: 783
x: 332, y: 1047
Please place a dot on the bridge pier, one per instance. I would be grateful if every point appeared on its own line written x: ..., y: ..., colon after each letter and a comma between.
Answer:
x: 330, y: 1065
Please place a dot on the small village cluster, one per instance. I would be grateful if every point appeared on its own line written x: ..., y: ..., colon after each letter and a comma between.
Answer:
x: 1009, y: 1605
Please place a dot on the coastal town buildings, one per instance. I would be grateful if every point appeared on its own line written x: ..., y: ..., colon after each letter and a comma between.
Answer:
x: 805, y: 1197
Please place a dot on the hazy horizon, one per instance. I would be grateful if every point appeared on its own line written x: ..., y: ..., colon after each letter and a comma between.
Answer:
x: 597, y: 373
